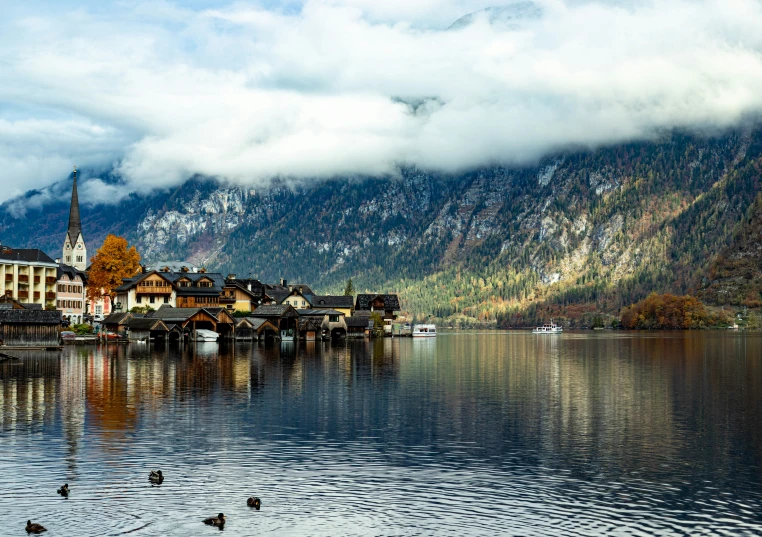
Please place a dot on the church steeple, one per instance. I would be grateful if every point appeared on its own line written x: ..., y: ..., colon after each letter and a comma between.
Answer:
x: 75, y: 225
x: 74, y: 249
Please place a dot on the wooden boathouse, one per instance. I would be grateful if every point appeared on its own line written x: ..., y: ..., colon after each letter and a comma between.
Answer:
x: 29, y: 327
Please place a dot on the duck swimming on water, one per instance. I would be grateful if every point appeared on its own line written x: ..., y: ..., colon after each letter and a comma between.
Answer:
x: 34, y: 528
x: 218, y: 520
x: 156, y: 477
x: 64, y: 491
x: 254, y: 502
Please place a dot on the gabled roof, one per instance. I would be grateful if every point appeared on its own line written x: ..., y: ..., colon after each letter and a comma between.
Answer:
x: 308, y: 325
x: 332, y: 301
x: 147, y: 323
x: 391, y: 302
x: 168, y: 313
x: 361, y: 321
x: 274, y: 310
x: 317, y: 312
x: 28, y: 255
x: 278, y: 296
x: 119, y: 318
x: 301, y: 287
x: 27, y: 316
x: 71, y: 272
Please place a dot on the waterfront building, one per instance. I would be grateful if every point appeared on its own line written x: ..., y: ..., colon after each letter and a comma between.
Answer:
x: 385, y: 305
x: 327, y: 321
x: 241, y: 295
x: 177, y: 289
x: 70, y: 293
x: 28, y: 276
x: 29, y: 327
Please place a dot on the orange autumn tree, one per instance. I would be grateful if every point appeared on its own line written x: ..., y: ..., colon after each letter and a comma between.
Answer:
x: 113, y: 262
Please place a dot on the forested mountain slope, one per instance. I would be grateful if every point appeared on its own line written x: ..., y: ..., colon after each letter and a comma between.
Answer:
x: 582, y: 232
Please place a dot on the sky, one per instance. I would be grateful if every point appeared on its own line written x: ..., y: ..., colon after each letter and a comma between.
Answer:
x: 247, y: 91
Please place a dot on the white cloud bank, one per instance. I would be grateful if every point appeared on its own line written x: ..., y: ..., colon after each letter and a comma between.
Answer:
x: 246, y: 93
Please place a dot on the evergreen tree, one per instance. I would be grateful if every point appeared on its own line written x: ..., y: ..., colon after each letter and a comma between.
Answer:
x: 349, y: 290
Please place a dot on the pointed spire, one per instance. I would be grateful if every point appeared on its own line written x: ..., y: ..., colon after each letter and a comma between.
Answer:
x: 75, y: 226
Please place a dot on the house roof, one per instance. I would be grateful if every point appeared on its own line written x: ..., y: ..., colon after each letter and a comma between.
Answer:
x: 278, y: 296
x: 301, y: 287
x: 310, y: 325
x: 168, y: 313
x: 119, y: 318
x: 274, y: 310
x: 361, y: 321
x: 28, y: 255
x: 71, y: 272
x: 317, y: 312
x: 391, y: 302
x: 147, y: 323
x: 332, y: 301
x: 28, y: 316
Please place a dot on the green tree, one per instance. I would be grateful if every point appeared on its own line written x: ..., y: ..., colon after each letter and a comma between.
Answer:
x: 349, y: 290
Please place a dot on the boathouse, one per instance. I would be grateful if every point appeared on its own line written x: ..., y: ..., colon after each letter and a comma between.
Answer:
x: 146, y: 329
x: 29, y: 327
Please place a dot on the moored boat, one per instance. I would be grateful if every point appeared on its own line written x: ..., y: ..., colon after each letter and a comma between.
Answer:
x: 205, y: 335
x: 551, y: 328
x: 424, y: 330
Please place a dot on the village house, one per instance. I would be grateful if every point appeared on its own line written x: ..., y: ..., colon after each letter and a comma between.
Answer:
x: 329, y: 322
x: 177, y: 289
x: 241, y: 295
x: 70, y: 293
x: 385, y: 305
x: 28, y: 276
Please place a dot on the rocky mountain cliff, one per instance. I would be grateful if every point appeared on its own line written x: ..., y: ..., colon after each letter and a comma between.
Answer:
x: 580, y: 232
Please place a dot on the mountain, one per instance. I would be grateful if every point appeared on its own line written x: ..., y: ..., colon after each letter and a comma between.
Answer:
x: 578, y: 234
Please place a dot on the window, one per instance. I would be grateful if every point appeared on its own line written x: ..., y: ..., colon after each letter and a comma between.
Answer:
x: 152, y: 299
x: 333, y: 318
x: 58, y: 303
x: 139, y: 299
x: 68, y: 259
x: 303, y: 303
x: 98, y: 310
x: 166, y: 300
x: 79, y: 259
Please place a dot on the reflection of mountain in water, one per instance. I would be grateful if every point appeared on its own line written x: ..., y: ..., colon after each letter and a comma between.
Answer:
x: 513, y: 16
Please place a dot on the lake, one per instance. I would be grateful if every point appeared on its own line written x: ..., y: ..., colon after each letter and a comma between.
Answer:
x: 471, y: 433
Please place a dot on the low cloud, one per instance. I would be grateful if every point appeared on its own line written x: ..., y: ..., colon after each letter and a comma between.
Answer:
x: 327, y: 88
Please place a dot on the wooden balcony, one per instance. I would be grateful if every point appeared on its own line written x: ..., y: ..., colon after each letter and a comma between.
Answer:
x: 23, y: 278
x: 36, y: 279
x: 24, y: 295
x: 150, y: 290
x: 227, y: 300
x: 50, y: 296
x: 50, y: 279
x: 36, y: 295
x: 9, y: 277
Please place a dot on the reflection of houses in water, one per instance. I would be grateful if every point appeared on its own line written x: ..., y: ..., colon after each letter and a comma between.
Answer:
x: 28, y: 388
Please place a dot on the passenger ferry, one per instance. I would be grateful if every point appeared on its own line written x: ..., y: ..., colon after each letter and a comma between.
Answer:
x: 424, y: 330
x: 551, y: 328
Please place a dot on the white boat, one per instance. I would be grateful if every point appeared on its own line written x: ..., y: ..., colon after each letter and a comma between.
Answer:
x: 551, y: 328
x: 206, y: 335
x: 424, y: 330
x: 288, y: 334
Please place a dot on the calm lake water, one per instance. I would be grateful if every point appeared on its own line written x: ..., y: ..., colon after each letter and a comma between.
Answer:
x: 469, y: 434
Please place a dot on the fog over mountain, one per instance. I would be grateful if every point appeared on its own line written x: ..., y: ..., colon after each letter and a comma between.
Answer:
x: 154, y: 93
